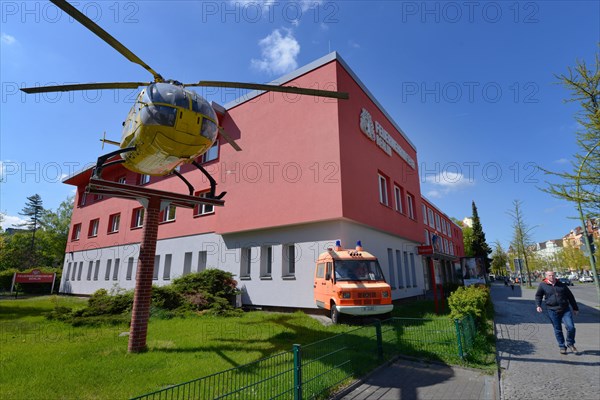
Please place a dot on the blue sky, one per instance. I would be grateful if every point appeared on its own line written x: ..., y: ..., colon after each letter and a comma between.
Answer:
x: 471, y: 83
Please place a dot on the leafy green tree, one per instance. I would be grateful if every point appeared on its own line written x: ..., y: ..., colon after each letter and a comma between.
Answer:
x: 499, y: 259
x: 56, y: 231
x: 467, y: 232
x: 521, y: 241
x: 479, y: 245
x: 584, y: 86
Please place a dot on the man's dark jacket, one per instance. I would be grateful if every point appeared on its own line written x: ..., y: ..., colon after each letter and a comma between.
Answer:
x: 558, y: 296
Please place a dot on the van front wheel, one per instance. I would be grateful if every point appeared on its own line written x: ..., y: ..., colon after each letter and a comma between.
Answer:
x: 335, y: 314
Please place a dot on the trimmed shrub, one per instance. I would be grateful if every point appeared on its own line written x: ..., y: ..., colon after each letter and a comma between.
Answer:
x: 167, y: 298
x: 101, y: 303
x: 211, y: 289
x: 469, y: 300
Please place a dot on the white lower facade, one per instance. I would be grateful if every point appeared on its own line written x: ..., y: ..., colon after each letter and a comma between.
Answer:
x: 268, y: 271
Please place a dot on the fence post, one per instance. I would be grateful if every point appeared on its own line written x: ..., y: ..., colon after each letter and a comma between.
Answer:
x: 297, y: 372
x: 458, y: 338
x: 379, y: 340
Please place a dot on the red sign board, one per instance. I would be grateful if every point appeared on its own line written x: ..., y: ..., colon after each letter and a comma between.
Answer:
x: 425, y: 249
x: 35, y: 276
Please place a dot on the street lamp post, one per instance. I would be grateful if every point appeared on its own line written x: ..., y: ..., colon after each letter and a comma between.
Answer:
x: 584, y: 225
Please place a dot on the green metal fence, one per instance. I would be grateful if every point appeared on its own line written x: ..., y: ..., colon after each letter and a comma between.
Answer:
x: 314, y: 370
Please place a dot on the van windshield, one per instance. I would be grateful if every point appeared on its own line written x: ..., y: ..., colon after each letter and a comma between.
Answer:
x: 358, y: 270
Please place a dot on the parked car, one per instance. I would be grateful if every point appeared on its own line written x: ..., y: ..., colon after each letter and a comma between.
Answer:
x: 566, y: 281
x: 586, y: 278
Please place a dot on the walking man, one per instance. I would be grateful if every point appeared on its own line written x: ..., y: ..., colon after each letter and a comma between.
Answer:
x: 559, y: 301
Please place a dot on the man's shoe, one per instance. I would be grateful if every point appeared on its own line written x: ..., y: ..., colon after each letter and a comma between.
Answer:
x: 563, y: 350
x: 573, y: 348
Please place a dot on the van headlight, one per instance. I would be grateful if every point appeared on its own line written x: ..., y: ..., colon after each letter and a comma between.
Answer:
x: 345, y: 295
x: 385, y: 295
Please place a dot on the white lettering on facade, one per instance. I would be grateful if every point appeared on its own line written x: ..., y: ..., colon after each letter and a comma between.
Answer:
x: 383, y: 139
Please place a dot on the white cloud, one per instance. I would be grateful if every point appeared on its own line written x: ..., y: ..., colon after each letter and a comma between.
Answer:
x: 10, y: 221
x: 561, y: 161
x: 445, y: 182
x: 279, y: 51
x: 353, y: 44
x: 7, y: 39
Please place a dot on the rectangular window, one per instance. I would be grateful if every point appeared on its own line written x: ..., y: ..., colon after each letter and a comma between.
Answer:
x: 211, y: 154
x: 398, y: 199
x: 82, y: 199
x: 76, y: 232
x: 129, y: 269
x: 156, y: 267
x: 399, y: 269
x: 449, y: 229
x: 424, y: 211
x: 383, y: 190
x: 427, y: 241
x: 116, y: 269
x: 437, y: 222
x: 113, y: 223
x: 202, y: 256
x: 68, y: 271
x: 97, y: 270
x: 320, y: 270
x: 168, y: 214
x: 93, y: 230
x: 108, y: 266
x: 80, y: 271
x: 410, y: 206
x: 430, y: 215
x: 90, y: 269
x: 203, y: 209
x: 246, y: 262
x: 414, y: 272
x: 167, y: 269
x: 74, y: 272
x: 144, y: 179
x: 392, y: 277
x: 137, y: 217
x: 289, y: 260
x: 187, y: 263
x: 406, y: 268
x: 122, y: 179
x: 266, y: 261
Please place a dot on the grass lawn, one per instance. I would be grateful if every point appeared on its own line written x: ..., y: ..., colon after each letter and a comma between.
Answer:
x: 41, y: 359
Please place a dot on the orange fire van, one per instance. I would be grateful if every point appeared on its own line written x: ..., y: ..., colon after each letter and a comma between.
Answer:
x: 350, y: 281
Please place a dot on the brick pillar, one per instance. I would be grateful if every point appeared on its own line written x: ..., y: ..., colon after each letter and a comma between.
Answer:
x: 143, y: 285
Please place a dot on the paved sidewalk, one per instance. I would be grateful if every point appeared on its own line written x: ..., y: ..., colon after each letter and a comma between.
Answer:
x: 530, y: 363
x: 412, y: 380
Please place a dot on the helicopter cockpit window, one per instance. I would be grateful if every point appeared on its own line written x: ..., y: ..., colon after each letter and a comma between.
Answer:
x: 158, y: 115
x: 168, y: 94
x: 209, y: 128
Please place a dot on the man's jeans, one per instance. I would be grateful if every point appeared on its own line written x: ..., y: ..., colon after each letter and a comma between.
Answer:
x: 566, y: 317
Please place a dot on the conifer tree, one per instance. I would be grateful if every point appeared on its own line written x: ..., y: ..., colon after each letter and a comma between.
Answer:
x: 479, y: 245
x: 34, y: 211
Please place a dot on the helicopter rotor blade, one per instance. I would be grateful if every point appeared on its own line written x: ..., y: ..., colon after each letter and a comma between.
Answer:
x: 107, y: 37
x: 229, y: 139
x: 272, y: 88
x: 85, y: 86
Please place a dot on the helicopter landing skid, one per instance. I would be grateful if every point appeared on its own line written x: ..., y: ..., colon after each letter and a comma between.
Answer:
x: 213, y: 183
x: 101, y: 162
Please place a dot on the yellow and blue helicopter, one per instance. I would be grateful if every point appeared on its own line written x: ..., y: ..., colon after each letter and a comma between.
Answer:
x: 168, y: 125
